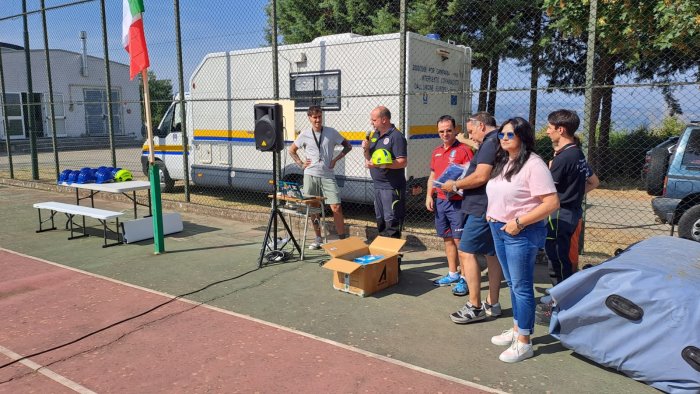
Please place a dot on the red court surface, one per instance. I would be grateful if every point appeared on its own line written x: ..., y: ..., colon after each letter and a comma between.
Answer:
x: 146, y: 342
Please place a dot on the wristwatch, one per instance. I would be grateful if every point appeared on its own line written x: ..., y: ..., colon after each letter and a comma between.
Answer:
x: 454, y: 187
x: 517, y: 223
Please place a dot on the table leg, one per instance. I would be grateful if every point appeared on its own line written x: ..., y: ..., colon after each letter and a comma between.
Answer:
x: 136, y: 215
x: 306, y: 227
x: 150, y: 212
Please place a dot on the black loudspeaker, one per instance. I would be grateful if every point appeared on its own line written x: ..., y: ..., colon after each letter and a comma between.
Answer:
x: 268, y: 128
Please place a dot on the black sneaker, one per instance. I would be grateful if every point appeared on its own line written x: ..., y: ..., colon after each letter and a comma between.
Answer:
x: 468, y: 314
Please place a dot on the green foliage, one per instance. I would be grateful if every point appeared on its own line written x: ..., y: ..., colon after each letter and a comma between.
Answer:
x: 161, y: 92
x: 671, y: 126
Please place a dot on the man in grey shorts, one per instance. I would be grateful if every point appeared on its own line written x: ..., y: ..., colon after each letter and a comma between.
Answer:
x: 319, y: 179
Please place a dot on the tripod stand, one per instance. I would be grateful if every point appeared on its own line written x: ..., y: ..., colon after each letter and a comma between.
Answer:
x: 271, y: 231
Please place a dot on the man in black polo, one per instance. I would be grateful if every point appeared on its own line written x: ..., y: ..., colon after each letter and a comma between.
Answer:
x: 389, y: 176
x: 573, y: 179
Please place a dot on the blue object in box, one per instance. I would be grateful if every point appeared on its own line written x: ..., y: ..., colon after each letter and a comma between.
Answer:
x: 370, y: 258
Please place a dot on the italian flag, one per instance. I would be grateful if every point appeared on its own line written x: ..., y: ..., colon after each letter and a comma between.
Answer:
x: 133, y: 36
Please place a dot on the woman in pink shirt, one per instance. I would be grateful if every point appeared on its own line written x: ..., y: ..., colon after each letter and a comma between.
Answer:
x: 521, y: 195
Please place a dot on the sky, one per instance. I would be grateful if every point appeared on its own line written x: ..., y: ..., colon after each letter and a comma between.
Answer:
x: 225, y: 25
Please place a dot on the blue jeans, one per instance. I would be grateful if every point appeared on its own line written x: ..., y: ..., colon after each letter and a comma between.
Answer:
x: 517, y: 256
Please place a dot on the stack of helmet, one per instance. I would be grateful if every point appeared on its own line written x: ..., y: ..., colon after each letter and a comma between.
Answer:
x: 95, y: 175
x: 86, y: 175
x: 72, y: 177
x: 63, y: 176
x: 105, y: 174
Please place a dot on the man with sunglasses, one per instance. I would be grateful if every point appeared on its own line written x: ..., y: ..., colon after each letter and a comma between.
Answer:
x: 476, y: 235
x: 449, y: 217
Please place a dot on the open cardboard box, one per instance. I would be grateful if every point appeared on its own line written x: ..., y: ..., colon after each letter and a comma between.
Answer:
x: 363, y: 279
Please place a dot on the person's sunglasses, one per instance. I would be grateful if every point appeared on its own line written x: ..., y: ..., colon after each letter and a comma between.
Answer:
x: 510, y: 135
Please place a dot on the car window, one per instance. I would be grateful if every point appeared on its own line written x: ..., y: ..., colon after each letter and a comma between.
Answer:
x: 691, y: 157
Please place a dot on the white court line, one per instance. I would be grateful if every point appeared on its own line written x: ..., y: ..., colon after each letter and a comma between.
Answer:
x: 46, y: 372
x: 269, y: 324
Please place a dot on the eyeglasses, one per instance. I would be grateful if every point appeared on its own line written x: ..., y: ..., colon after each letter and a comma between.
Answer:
x: 510, y: 135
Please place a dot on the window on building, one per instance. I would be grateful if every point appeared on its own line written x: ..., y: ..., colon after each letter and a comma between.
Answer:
x: 316, y: 88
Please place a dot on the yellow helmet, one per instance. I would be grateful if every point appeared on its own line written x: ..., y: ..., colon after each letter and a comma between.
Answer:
x: 381, y: 157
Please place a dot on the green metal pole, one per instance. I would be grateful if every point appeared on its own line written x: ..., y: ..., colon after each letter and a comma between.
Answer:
x: 158, y: 237
x: 4, y: 120
x: 54, y: 140
x: 108, y: 81
x: 153, y: 173
x: 30, y: 97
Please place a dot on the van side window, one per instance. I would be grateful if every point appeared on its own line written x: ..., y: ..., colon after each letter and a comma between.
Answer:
x: 177, y: 120
x: 167, y: 123
x: 315, y: 88
x: 691, y: 157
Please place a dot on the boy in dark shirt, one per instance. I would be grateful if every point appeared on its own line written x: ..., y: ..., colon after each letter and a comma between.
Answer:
x: 573, y: 179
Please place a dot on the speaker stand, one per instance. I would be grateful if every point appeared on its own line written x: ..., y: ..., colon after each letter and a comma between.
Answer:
x: 271, y: 230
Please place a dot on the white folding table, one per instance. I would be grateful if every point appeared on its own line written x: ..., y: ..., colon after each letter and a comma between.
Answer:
x: 113, y: 187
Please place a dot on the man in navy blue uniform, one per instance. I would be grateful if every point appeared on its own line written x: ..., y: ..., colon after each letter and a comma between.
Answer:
x: 389, y: 179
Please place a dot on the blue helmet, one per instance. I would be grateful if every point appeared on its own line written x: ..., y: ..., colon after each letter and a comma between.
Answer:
x: 73, y: 177
x: 104, y: 175
x: 63, y: 176
x: 86, y: 175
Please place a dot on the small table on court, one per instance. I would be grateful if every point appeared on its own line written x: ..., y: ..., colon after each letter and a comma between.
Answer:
x: 113, y: 187
x: 310, y: 203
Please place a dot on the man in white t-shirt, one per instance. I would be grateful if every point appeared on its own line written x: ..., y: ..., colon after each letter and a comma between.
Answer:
x: 319, y: 179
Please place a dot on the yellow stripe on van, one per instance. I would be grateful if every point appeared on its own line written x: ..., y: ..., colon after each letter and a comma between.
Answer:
x: 223, y: 134
x: 164, y: 148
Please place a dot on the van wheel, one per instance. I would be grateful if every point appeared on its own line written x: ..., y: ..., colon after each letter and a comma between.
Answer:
x: 165, y: 178
x: 689, y: 224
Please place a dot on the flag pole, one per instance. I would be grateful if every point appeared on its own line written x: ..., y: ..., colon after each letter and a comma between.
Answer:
x: 153, y: 172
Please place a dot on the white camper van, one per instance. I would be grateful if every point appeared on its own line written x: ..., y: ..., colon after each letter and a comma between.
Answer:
x: 348, y: 75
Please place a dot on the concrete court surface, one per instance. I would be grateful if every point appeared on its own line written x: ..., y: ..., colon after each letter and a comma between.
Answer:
x: 215, y: 260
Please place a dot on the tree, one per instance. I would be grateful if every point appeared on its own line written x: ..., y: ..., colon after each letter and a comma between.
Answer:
x: 649, y: 40
x: 161, y: 91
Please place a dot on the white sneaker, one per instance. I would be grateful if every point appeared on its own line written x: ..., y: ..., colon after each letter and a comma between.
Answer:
x: 504, y: 339
x: 517, y: 351
x: 316, y: 245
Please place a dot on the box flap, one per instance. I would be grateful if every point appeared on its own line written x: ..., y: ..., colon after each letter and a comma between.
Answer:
x: 391, y: 245
x: 344, y: 246
x: 340, y: 265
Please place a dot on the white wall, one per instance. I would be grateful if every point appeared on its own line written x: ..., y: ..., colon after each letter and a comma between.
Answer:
x: 68, y: 80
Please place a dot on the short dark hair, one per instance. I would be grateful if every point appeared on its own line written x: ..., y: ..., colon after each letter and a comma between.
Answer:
x: 314, y: 110
x: 566, y: 118
x: 485, y: 118
x: 447, y: 118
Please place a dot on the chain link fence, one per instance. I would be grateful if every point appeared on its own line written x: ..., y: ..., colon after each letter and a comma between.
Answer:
x: 635, y: 88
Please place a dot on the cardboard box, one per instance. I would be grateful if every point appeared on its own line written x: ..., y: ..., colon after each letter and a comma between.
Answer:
x: 363, y: 279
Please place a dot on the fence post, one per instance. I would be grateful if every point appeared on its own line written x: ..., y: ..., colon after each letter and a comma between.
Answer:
x: 183, y: 113
x: 4, y: 119
x: 108, y: 79
x: 54, y: 141
x: 30, y: 96
x: 588, y: 105
x: 402, y: 68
